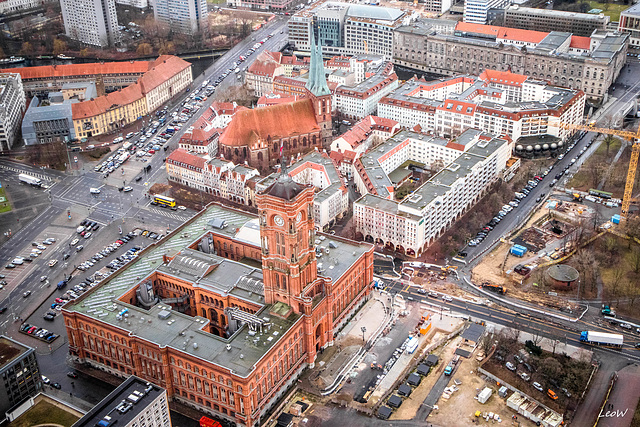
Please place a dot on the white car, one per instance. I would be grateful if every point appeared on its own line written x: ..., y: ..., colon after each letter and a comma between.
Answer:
x: 45, y: 379
x: 43, y: 278
x: 74, y: 242
x: 182, y: 208
x: 52, y: 263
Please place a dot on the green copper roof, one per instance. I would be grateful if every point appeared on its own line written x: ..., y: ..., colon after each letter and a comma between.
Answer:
x: 317, y: 82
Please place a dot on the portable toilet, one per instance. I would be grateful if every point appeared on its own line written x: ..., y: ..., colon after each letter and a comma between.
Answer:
x: 615, y: 219
x: 484, y: 395
x: 503, y: 391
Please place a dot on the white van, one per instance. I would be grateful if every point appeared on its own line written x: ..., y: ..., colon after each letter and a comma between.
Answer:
x: 94, y: 190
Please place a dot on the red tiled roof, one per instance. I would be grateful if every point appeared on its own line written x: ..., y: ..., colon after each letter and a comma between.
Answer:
x: 162, y: 69
x: 95, y: 68
x: 180, y: 157
x: 262, y: 68
x: 502, y: 32
x: 265, y: 101
x: 579, y: 42
x: 99, y: 105
x: 503, y: 77
x: 275, y: 121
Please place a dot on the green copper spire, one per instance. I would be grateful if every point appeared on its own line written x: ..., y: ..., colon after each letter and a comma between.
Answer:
x: 317, y: 82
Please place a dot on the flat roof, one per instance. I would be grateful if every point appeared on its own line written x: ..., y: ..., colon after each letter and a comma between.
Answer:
x: 515, y: 9
x: 633, y: 10
x: 10, y: 350
x: 238, y: 353
x: 133, y: 393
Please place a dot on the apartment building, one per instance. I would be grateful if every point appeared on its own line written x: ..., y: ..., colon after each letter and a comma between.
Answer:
x: 106, y: 76
x: 472, y: 162
x: 346, y: 28
x: 529, y: 18
x: 331, y: 200
x: 438, y: 7
x: 93, y: 22
x: 133, y: 403
x: 260, y: 74
x: 167, y: 77
x: 12, y: 105
x: 9, y: 7
x: 477, y: 11
x: 138, y: 4
x: 497, y: 102
x: 183, y: 16
x: 630, y: 23
x: 590, y: 64
x: 218, y: 177
x: 275, y: 5
x: 361, y: 100
x: 20, y: 374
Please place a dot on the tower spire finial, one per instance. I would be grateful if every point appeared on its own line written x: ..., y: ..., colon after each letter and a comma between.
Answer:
x: 317, y: 82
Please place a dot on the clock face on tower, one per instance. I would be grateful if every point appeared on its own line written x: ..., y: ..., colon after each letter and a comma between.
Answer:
x: 278, y: 220
x: 299, y: 217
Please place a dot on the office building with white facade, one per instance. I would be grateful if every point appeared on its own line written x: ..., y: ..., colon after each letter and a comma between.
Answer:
x: 12, y: 104
x: 182, y: 16
x: 477, y: 11
x: 630, y: 23
x: 346, y: 28
x: 497, y: 102
x: 361, y: 100
x: 93, y: 22
x: 473, y: 161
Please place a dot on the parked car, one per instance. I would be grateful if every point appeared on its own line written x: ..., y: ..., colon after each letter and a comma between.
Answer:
x: 537, y: 386
x: 510, y: 366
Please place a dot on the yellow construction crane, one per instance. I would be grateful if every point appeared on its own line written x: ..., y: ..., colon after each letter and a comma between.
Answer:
x: 634, y: 137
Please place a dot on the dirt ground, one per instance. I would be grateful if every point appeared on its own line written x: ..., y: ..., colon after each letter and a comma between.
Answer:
x: 459, y: 410
x: 411, y: 404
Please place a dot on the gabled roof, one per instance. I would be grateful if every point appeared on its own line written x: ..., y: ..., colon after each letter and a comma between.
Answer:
x: 274, y: 121
x: 180, y: 157
x: 95, y: 68
x: 101, y: 104
x: 503, y: 77
x: 162, y: 69
x: 579, y: 42
x: 529, y: 36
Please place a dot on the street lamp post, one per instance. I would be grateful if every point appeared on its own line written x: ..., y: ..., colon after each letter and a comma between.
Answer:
x: 363, y: 329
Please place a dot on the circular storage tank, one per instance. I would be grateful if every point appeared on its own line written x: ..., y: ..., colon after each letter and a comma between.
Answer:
x: 529, y: 148
x: 537, y: 147
x: 519, y: 147
x: 554, y: 146
x: 545, y: 147
x: 560, y: 143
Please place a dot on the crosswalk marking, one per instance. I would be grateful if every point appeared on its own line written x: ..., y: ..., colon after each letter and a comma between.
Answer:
x: 169, y: 214
x: 37, y: 175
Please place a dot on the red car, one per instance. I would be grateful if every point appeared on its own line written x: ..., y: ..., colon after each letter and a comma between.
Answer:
x: 120, y: 241
x: 537, y: 178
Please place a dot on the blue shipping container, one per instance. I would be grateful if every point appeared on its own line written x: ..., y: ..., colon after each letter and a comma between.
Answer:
x: 615, y: 219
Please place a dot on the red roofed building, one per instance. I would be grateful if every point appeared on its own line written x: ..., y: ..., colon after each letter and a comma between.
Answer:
x: 260, y: 137
x: 108, y: 76
x: 167, y: 77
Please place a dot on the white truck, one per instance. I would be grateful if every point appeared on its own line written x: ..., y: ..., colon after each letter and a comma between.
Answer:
x: 602, y: 338
x: 31, y: 180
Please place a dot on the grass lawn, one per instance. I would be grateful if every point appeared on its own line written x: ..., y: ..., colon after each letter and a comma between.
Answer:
x: 44, y: 413
x: 5, y: 206
x: 612, y: 10
x: 225, y: 2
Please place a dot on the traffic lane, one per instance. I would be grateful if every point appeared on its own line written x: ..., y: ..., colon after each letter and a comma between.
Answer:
x: 29, y: 232
x: 513, y: 218
x: 556, y: 330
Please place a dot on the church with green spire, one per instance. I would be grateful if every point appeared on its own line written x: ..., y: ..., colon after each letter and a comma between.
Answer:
x: 319, y: 93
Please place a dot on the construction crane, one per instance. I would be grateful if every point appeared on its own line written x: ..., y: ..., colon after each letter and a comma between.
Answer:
x: 634, y: 137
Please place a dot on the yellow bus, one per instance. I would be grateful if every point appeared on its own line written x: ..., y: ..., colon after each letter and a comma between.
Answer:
x: 164, y: 200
